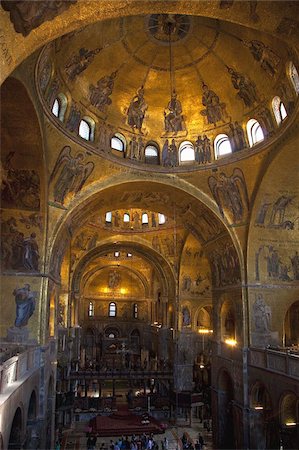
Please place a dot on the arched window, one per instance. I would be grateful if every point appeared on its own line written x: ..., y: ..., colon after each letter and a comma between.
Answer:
x: 108, y: 217
x: 90, y: 309
x: 86, y: 129
x: 126, y: 217
x: 59, y: 106
x: 112, y: 333
x: 56, y: 107
x: 254, y: 132
x: 135, y: 311
x: 279, y: 110
x: 222, y: 145
x: 144, y: 219
x: 294, y: 77
x: 186, y: 151
x: 161, y: 219
x: 151, y: 154
x: 112, y: 309
x: 118, y: 142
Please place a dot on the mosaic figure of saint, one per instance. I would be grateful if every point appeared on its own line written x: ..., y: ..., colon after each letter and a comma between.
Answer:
x: 100, y: 94
x: 173, y: 118
x: 215, y: 111
x: 25, y: 305
x: 136, y: 110
x: 245, y: 87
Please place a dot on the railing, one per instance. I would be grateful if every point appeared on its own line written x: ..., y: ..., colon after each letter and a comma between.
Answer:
x: 282, y: 362
x: 111, y: 374
x: 23, y: 364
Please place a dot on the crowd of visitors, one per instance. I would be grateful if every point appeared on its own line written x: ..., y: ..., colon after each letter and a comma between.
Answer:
x: 141, y: 442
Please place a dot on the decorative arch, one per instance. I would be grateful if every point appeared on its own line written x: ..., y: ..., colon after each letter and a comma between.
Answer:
x: 228, y: 321
x: 32, y: 407
x: 90, y: 275
x: 289, y: 419
x: 203, y: 317
x: 124, y: 188
x: 266, y: 433
x: 141, y: 248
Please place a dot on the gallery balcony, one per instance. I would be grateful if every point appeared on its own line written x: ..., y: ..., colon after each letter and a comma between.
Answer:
x: 280, y: 361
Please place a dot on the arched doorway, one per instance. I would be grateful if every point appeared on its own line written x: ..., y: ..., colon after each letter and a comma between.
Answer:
x: 15, y: 437
x: 289, y: 421
x: 291, y: 329
x: 263, y: 423
x: 32, y: 434
x: 225, y: 420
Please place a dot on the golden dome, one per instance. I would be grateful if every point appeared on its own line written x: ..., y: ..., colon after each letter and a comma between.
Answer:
x: 166, y: 76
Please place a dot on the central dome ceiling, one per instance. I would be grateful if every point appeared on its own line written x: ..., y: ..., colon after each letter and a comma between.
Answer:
x: 124, y: 72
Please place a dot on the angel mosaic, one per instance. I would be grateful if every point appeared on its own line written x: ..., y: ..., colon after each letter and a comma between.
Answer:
x: 70, y: 173
x: 268, y: 60
x: 231, y: 193
x: 100, y: 94
x: 79, y: 62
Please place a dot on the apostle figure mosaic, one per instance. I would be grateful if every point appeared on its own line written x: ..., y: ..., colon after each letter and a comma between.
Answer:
x: 215, y: 110
x: 73, y: 120
x: 203, y: 150
x: 136, y: 110
x: 245, y: 87
x: 237, y: 137
x: 173, y: 117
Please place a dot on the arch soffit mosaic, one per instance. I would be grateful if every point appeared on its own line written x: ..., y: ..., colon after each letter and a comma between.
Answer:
x: 140, y: 248
x: 170, y: 196
x: 93, y: 273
